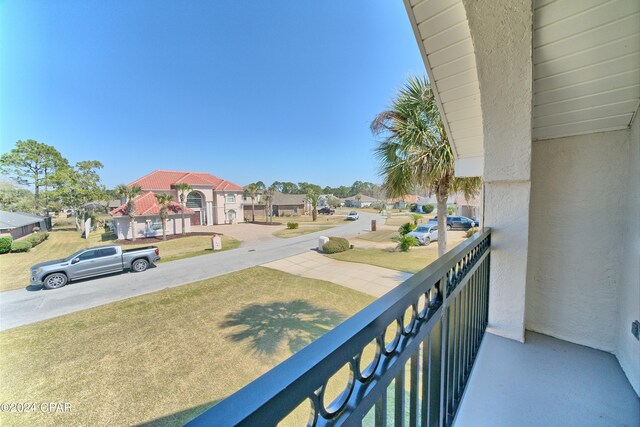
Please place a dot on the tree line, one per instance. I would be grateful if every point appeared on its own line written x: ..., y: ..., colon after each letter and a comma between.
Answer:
x: 56, y: 183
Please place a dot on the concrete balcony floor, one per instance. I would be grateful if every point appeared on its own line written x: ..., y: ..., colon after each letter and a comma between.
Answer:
x: 546, y: 382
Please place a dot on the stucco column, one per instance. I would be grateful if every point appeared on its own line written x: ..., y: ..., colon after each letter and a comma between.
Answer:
x: 210, y: 218
x: 501, y: 31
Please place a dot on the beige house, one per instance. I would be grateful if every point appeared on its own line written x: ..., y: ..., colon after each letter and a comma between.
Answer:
x: 213, y: 200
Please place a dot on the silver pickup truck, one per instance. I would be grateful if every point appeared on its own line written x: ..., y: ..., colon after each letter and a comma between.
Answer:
x: 92, y: 262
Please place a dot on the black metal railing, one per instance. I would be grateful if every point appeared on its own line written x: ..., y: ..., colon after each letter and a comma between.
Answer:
x: 417, y: 373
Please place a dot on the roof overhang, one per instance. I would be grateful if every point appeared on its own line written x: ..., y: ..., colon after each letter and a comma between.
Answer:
x: 444, y: 38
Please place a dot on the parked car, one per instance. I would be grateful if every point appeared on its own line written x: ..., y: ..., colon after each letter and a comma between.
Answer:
x: 326, y: 210
x: 352, y: 216
x: 92, y: 262
x: 458, y: 222
x: 425, y: 233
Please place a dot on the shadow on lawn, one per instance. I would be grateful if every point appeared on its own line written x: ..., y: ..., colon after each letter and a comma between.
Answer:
x: 295, y: 323
x: 179, y: 418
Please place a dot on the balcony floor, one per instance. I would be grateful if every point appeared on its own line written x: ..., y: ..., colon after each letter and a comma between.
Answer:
x: 546, y: 382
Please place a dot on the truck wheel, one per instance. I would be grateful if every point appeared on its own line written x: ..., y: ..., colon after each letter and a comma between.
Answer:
x: 139, y: 265
x: 449, y: 227
x: 427, y: 241
x: 55, y: 281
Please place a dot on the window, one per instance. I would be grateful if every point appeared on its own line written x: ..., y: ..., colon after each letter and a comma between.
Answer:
x: 231, y: 198
x: 194, y: 200
x: 107, y: 252
x: 87, y: 255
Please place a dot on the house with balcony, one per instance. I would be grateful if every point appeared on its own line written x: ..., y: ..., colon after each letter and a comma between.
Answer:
x: 534, y: 320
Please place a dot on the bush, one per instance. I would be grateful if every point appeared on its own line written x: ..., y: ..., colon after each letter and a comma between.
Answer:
x: 451, y: 210
x: 405, y: 242
x: 5, y: 244
x: 406, y: 228
x: 428, y: 208
x: 21, y: 246
x: 335, y: 245
x: 37, y: 238
x: 413, y: 207
x: 472, y: 231
x: 292, y: 225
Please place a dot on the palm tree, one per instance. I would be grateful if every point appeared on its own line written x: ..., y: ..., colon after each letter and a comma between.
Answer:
x: 313, y: 196
x: 415, y: 150
x: 183, y: 190
x: 268, y: 202
x: 254, y: 189
x: 164, y: 200
x: 130, y: 193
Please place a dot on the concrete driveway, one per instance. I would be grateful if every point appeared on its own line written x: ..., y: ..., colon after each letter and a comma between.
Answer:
x: 369, y: 279
x: 247, y: 233
x: 21, y: 307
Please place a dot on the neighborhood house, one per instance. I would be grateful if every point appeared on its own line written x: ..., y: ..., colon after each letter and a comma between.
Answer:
x: 19, y: 224
x: 212, y: 201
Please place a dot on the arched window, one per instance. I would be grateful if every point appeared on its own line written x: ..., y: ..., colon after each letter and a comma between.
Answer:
x: 194, y: 200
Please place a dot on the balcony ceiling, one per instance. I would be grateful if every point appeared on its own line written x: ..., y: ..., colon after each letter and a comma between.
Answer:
x: 443, y: 35
x: 586, y: 66
x: 586, y: 69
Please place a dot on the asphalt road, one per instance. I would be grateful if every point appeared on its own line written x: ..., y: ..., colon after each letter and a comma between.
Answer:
x: 22, y: 307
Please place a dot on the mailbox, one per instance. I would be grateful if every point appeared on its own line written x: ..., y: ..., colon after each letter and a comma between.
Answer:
x: 216, y: 242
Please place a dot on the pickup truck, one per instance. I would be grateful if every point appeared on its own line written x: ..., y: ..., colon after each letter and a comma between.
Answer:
x: 92, y: 262
x: 326, y: 210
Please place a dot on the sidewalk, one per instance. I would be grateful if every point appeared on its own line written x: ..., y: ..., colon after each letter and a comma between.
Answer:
x: 369, y: 279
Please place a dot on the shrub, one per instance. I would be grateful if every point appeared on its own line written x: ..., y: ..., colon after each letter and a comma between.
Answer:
x: 5, y: 244
x: 405, y: 242
x: 335, y: 245
x: 413, y: 207
x: 292, y: 225
x: 451, y: 210
x: 37, y: 238
x: 428, y: 208
x: 472, y: 231
x: 406, y: 228
x: 21, y: 246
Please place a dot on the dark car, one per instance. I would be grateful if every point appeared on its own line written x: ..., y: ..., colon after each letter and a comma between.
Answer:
x: 458, y: 222
x: 326, y: 210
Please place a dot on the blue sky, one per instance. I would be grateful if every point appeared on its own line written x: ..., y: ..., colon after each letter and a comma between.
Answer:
x: 246, y: 90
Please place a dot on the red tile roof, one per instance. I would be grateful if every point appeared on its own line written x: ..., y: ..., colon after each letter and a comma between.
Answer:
x: 163, y: 180
x: 146, y: 204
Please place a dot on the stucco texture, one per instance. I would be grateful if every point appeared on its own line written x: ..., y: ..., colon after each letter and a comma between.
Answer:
x: 628, y: 350
x: 578, y: 216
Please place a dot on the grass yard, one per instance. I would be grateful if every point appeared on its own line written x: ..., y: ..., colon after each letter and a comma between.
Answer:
x: 304, y: 219
x: 379, y: 235
x: 65, y: 240
x: 164, y: 357
x: 286, y: 233
x: 412, y: 262
x: 187, y: 247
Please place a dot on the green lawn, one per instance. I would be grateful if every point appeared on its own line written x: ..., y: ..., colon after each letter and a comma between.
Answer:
x: 166, y: 356
x: 286, y: 233
x: 65, y: 240
x: 412, y: 262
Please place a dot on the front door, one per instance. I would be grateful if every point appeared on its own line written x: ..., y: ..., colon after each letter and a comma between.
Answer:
x: 195, y: 218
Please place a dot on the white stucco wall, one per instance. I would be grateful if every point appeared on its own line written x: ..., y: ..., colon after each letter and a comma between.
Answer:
x: 501, y: 31
x: 628, y: 348
x: 578, y: 220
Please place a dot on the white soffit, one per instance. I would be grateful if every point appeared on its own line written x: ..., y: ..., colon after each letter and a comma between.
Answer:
x: 586, y: 66
x: 443, y: 35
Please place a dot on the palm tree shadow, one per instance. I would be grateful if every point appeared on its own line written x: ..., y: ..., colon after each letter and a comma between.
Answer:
x: 295, y: 323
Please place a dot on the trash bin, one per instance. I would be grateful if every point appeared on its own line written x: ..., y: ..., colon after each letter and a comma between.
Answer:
x: 373, y: 225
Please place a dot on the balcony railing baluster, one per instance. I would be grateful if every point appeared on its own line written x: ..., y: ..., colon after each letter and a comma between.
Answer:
x: 438, y: 345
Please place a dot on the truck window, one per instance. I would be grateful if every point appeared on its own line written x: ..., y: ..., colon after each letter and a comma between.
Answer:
x: 87, y: 255
x: 106, y: 252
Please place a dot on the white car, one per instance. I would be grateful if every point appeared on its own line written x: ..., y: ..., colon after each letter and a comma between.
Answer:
x: 353, y: 215
x: 425, y: 233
